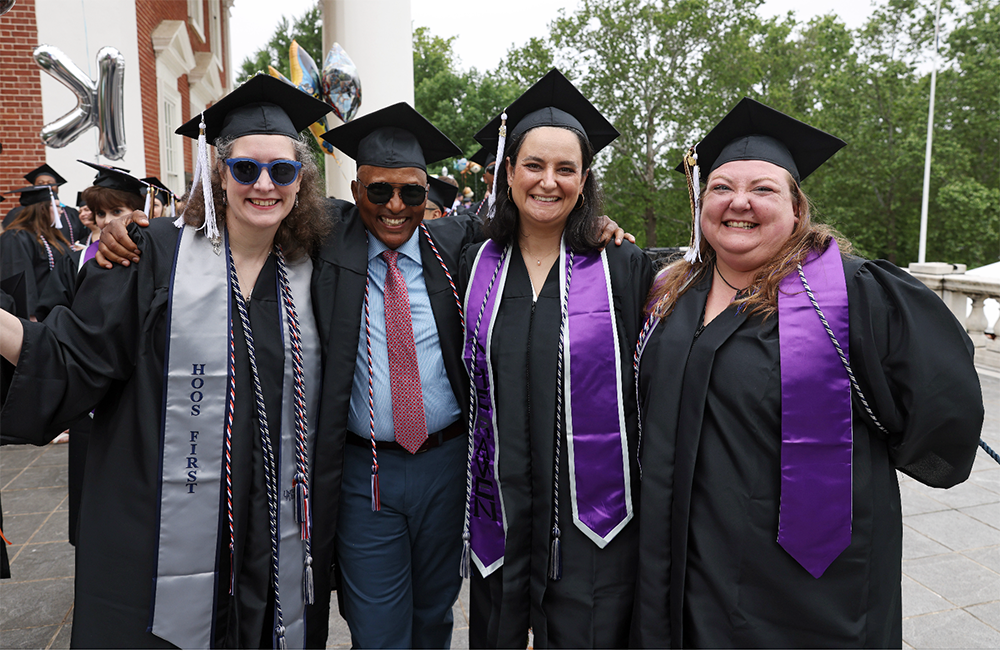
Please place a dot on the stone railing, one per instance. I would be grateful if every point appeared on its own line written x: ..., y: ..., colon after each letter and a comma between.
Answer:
x: 956, y: 288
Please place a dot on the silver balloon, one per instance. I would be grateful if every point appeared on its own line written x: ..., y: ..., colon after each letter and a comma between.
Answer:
x: 341, y: 83
x: 99, y: 103
x: 5, y: 6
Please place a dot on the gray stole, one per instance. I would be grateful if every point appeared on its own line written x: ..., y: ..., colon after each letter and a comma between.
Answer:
x: 191, y: 530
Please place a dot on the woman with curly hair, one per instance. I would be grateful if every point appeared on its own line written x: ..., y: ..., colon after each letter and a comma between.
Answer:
x: 770, y: 504
x: 202, y: 366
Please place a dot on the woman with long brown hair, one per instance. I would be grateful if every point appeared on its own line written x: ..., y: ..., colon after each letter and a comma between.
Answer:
x: 782, y: 383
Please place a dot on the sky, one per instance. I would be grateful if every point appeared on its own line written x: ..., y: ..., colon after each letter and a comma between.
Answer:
x: 484, y: 34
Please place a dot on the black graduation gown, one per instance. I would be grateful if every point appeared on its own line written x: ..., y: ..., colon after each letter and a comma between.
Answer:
x: 339, y: 274
x: 20, y: 251
x: 72, y: 229
x: 107, y: 354
x: 591, y: 606
x: 711, y: 573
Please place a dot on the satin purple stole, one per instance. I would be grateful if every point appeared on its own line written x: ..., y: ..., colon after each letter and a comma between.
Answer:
x: 595, y: 417
x: 816, y: 439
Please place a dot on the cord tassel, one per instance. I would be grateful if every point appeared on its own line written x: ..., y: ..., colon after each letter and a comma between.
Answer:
x: 555, y: 556
x: 376, y: 500
x: 232, y: 570
x: 308, y: 586
x: 465, y: 568
x: 301, y: 512
x: 279, y: 632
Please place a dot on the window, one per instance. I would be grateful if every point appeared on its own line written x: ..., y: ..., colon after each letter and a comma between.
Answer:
x: 171, y: 146
x: 196, y: 16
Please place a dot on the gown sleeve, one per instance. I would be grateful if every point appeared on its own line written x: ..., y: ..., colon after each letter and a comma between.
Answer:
x: 914, y: 362
x: 69, y: 361
x: 17, y: 255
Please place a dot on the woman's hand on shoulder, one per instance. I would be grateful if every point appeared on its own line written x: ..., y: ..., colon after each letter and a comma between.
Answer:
x: 116, y: 246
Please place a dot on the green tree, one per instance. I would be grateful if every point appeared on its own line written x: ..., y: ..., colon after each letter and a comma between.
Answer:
x: 307, y: 31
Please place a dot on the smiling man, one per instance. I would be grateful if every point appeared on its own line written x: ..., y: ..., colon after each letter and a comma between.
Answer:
x: 396, y: 389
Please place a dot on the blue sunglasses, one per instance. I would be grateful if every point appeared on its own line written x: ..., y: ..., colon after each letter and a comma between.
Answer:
x: 246, y: 171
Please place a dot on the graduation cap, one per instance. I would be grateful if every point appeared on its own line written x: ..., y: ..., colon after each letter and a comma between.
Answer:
x: 441, y: 193
x: 160, y: 191
x: 33, y: 194
x: 393, y: 137
x: 114, y: 179
x: 551, y: 102
x: 484, y: 157
x: 754, y: 131
x: 44, y: 169
x: 79, y: 200
x: 261, y: 105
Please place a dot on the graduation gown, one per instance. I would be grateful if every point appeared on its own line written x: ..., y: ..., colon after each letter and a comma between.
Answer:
x: 339, y: 274
x: 107, y: 354
x: 711, y: 573
x: 20, y: 251
x: 72, y: 229
x: 591, y: 605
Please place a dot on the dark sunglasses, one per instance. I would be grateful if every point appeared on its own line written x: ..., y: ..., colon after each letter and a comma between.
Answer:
x: 246, y: 171
x: 491, y: 168
x: 381, y: 192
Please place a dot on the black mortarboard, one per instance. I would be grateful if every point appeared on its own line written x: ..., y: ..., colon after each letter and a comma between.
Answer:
x: 262, y: 104
x: 753, y: 131
x: 395, y: 136
x: 551, y: 102
x: 33, y: 194
x: 112, y: 178
x: 44, y: 169
x: 441, y: 192
x: 484, y: 156
x: 79, y: 200
x: 161, y: 191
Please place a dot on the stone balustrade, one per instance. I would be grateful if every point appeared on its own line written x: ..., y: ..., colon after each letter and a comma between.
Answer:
x: 956, y: 288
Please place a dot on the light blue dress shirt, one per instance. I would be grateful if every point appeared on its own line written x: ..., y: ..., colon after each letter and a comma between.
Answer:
x: 440, y: 407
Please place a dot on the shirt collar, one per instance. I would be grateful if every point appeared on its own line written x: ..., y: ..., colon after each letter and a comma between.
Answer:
x: 410, y: 248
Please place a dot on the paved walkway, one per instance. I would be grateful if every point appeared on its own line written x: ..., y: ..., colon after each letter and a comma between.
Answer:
x: 951, y: 553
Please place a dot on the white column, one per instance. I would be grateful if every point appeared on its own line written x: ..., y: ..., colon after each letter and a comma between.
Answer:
x: 377, y: 35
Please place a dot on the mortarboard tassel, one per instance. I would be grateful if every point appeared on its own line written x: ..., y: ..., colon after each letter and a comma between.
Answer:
x: 308, y: 586
x: 555, y: 556
x: 501, y: 144
x: 56, y: 220
x: 465, y: 568
x: 692, y: 172
x: 149, y: 201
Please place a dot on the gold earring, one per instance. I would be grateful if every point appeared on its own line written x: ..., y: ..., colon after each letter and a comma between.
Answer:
x: 509, y: 198
x: 579, y: 202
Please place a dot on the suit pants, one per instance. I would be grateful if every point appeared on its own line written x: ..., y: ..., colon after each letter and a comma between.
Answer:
x: 400, y: 565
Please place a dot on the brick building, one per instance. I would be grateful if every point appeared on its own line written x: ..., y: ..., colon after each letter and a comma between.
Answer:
x: 176, y: 63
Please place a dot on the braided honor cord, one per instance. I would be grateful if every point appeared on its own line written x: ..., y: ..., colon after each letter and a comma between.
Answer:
x: 376, y: 499
x: 555, y: 554
x: 454, y: 290
x: 48, y: 251
x: 301, y: 479
x: 228, y: 448
x: 647, y: 327
x: 465, y: 567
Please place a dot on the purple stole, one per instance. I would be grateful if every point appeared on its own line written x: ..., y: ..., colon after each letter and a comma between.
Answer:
x: 816, y: 438
x: 595, y: 420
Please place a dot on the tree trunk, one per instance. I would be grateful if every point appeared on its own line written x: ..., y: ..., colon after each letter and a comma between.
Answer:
x: 649, y: 217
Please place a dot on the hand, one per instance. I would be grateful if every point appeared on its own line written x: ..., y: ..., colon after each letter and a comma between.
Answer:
x: 610, y: 230
x: 116, y: 246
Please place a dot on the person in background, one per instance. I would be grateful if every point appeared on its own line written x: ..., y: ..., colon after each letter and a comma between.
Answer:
x: 770, y: 504
x: 87, y: 219
x: 440, y: 195
x: 163, y: 198
x: 551, y: 322
x: 32, y: 243
x: 488, y: 161
x: 69, y: 220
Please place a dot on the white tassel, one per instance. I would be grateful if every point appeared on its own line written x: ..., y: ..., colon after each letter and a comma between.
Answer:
x: 501, y: 144
x: 694, y: 253
x: 149, y: 201
x: 56, y: 219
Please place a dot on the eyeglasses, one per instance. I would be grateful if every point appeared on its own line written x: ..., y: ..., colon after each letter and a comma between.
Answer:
x: 246, y: 171
x: 381, y: 192
x: 490, y: 169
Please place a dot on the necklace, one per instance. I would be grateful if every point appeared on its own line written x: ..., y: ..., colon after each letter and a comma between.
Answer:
x: 538, y: 260
x: 737, y: 289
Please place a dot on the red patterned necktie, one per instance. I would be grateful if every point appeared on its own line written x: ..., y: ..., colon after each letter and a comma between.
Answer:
x: 404, y: 374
